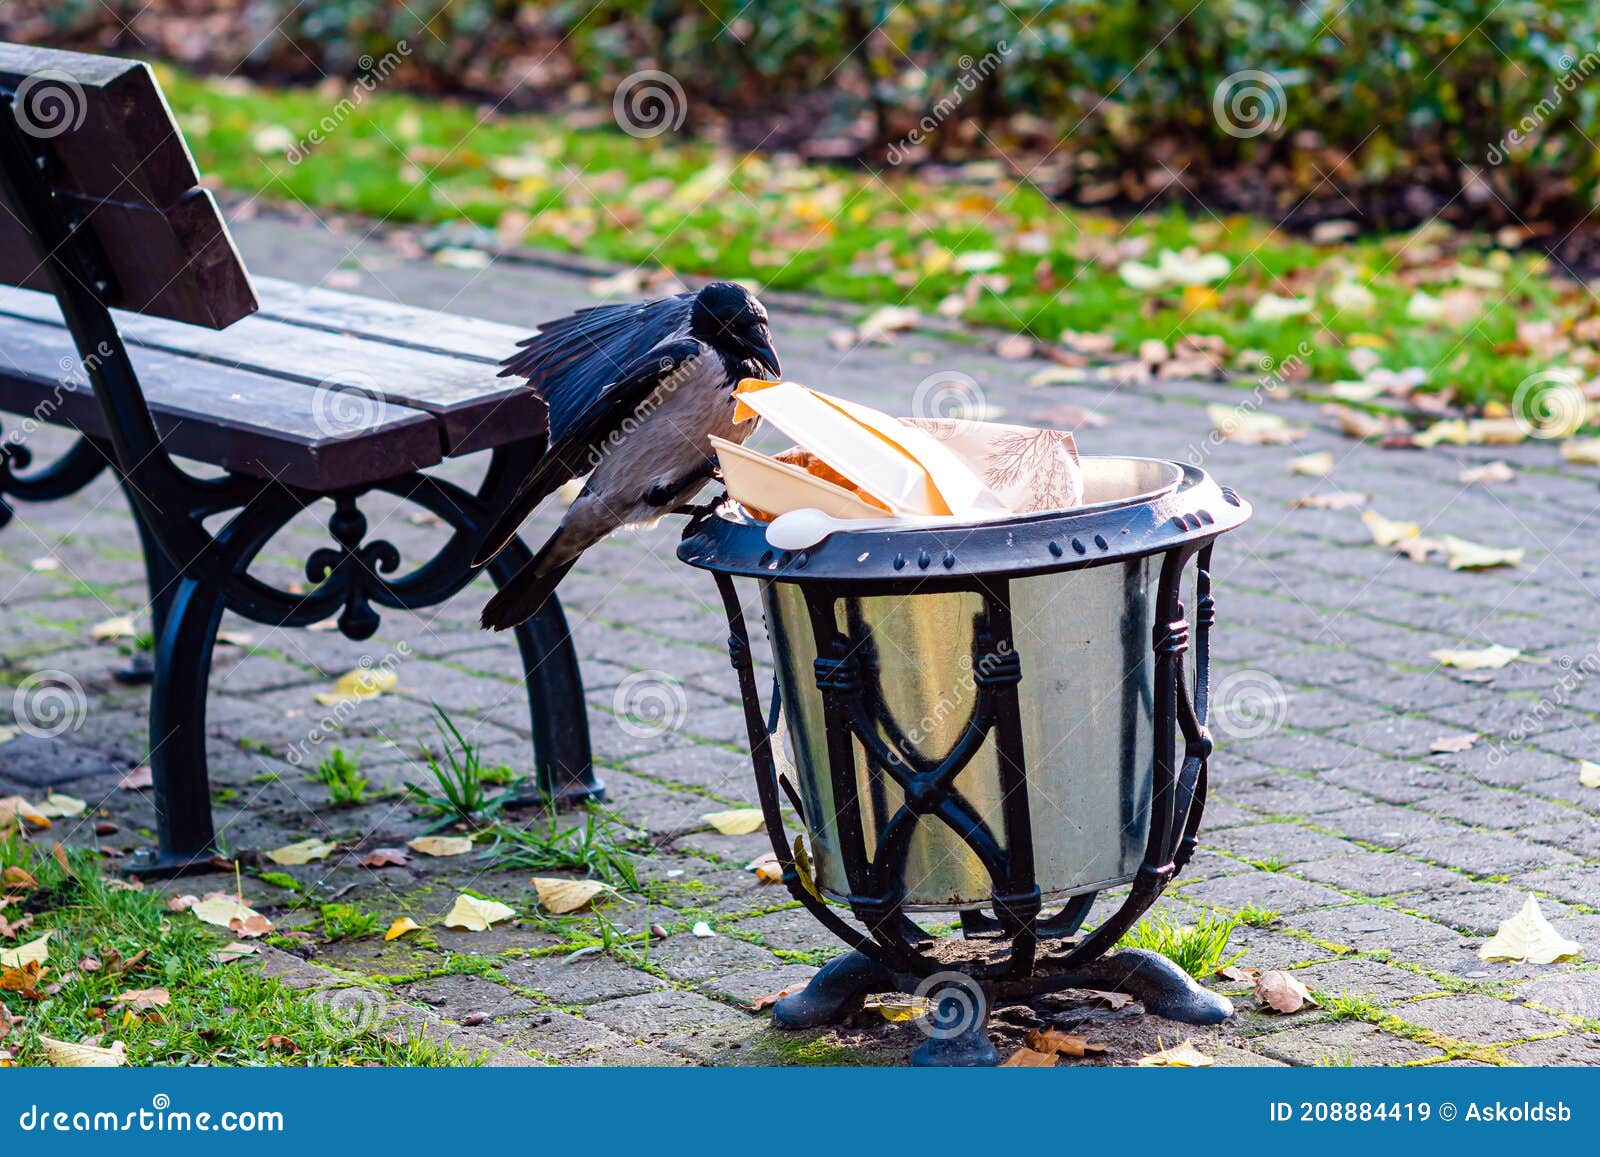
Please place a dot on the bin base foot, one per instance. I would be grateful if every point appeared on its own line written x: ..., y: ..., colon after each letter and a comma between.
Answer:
x: 1155, y: 982
x: 153, y: 864
x: 833, y: 993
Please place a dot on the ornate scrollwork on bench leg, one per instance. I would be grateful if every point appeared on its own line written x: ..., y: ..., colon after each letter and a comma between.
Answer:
x: 68, y: 474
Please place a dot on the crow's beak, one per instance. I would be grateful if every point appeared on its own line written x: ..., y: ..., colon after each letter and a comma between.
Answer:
x: 761, y: 349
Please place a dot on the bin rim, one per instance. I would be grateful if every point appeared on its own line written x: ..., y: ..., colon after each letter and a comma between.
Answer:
x: 1193, y: 511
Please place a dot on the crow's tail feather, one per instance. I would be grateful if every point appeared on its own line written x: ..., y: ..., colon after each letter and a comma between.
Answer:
x: 520, y: 599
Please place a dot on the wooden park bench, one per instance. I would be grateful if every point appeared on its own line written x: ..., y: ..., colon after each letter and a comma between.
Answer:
x: 135, y: 323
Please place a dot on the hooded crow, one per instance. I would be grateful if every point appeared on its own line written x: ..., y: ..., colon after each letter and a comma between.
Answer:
x: 635, y: 392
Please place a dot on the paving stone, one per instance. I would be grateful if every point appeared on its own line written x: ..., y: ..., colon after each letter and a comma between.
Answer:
x: 1289, y: 843
x: 1377, y: 874
x: 1276, y: 890
x: 1396, y: 735
x: 745, y: 987
x: 685, y: 957
x: 1284, y: 793
x: 44, y: 762
x: 1477, y: 909
x: 1395, y: 781
x: 1480, y: 1019
x: 581, y: 980
x: 1351, y: 1042
x: 1320, y: 709
x: 1380, y: 983
x: 1387, y: 826
x: 1574, y: 1049
x: 683, y: 1022
x: 1369, y: 927
x: 575, y: 1041
x: 1483, y: 854
x: 1300, y: 751
x: 458, y: 996
x: 1576, y: 994
x: 1266, y: 949
x: 1491, y: 808
x: 1578, y: 883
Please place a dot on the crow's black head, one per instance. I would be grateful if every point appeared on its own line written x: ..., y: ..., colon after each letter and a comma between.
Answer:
x: 729, y: 318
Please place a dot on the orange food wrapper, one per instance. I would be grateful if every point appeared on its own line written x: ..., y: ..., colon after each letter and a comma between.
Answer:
x: 853, y: 461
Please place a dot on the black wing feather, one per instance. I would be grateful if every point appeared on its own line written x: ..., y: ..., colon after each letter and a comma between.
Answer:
x: 572, y: 361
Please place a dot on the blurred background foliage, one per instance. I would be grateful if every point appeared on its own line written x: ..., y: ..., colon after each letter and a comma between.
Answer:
x: 1394, y: 110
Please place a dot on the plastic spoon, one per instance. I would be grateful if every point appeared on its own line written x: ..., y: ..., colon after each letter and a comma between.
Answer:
x: 807, y: 526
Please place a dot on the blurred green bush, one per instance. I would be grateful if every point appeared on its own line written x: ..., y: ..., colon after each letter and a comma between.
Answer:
x: 1484, y: 109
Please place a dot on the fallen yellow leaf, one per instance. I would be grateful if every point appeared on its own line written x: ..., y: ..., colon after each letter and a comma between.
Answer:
x: 362, y: 683
x: 1332, y: 500
x: 303, y: 852
x: 14, y: 810
x: 1581, y: 451
x: 802, y: 868
x: 1252, y: 427
x: 1528, y: 937
x: 441, y: 845
x: 1464, y: 555
x: 1488, y: 659
x: 897, y: 1007
x: 400, y: 927
x: 738, y: 822
x: 33, y: 952
x: 766, y: 867
x: 477, y: 915
x: 61, y: 806
x: 560, y: 896
x: 119, y: 627
x: 1386, y: 531
x: 1184, y: 1056
x: 1487, y: 475
x: 66, y: 1055
x: 1318, y: 465
x: 1026, y: 1058
x: 222, y: 911
x: 1589, y: 774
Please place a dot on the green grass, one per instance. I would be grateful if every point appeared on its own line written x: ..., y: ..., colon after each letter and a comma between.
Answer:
x: 460, y: 777
x: 1200, y: 949
x: 880, y: 239
x: 597, y: 846
x: 218, y: 1014
x: 341, y: 775
x: 1256, y: 916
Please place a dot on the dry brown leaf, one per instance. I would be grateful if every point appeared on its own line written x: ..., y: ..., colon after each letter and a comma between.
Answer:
x: 182, y: 903
x: 17, y: 877
x: 137, y: 779
x: 1183, y: 1056
x: 441, y: 845
x: 385, y: 858
x: 279, y: 1043
x: 1239, y: 975
x: 1026, y: 1058
x: 1450, y: 744
x: 23, y: 980
x: 1281, y: 991
x: 66, y: 1055
x: 738, y: 822
x: 1114, y: 1000
x: 144, y: 998
x: 236, y: 950
x: 477, y: 915
x: 560, y: 896
x: 767, y: 868
x: 768, y: 999
x: 1053, y: 1040
x: 1360, y: 424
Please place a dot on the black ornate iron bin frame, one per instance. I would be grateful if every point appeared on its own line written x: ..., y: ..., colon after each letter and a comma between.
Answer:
x: 195, y: 574
x: 1020, y: 950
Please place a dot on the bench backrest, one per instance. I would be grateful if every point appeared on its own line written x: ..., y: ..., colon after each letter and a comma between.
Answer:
x: 109, y: 147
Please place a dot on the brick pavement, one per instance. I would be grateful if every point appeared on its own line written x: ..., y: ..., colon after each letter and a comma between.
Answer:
x: 1386, y: 865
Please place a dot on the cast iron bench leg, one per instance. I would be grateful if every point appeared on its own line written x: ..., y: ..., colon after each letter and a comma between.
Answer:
x: 555, y: 694
x: 161, y: 577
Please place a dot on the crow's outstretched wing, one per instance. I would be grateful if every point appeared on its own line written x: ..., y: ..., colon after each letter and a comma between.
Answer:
x: 579, y: 448
x: 575, y: 362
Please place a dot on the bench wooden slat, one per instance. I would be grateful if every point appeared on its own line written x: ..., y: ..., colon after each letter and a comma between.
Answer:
x: 422, y: 329
x: 118, y: 139
x: 244, y: 421
x: 475, y: 408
